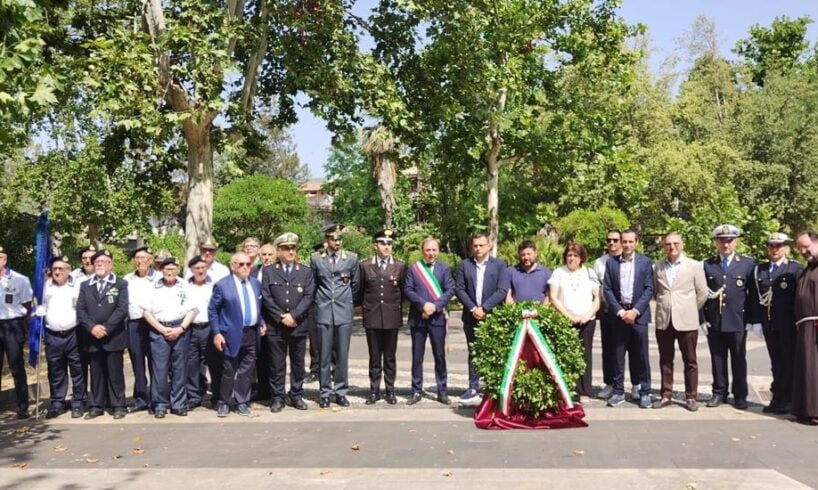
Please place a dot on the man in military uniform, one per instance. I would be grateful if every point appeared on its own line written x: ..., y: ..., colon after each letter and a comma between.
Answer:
x: 80, y: 275
x: 141, y: 283
x: 313, y: 335
x: 337, y: 282
x: 102, y: 312
x: 287, y: 291
x: 382, y: 279
x: 61, y: 350
x: 14, y: 308
x: 772, y: 297
x: 725, y: 315
x: 169, y: 313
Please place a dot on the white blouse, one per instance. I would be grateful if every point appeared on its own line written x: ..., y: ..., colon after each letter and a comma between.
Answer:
x: 576, y: 289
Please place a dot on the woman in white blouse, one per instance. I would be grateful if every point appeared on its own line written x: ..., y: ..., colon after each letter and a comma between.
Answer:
x: 574, y: 292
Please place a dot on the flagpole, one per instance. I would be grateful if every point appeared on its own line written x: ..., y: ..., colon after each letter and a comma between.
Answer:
x: 39, y: 362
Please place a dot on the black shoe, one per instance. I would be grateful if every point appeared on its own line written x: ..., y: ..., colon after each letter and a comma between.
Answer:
x: 93, y: 413
x: 391, y: 398
x: 415, y: 398
x: 714, y: 401
x: 76, y: 413
x: 120, y: 413
x: 222, y: 410
x: 443, y: 398
x: 312, y: 378
x: 137, y: 408
x: 741, y: 404
x: 341, y: 400
x: 373, y: 397
x: 771, y: 408
x: 297, y: 403
x: 782, y: 409
x: 160, y: 413
x: 182, y: 412
x: 277, y: 405
x: 193, y: 405
x: 323, y: 402
x: 54, y: 412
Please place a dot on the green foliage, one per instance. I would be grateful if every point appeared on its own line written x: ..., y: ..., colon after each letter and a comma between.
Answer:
x: 590, y: 227
x: 549, y: 252
x: 172, y: 242
x: 534, y: 392
x: 774, y: 48
x: 257, y: 206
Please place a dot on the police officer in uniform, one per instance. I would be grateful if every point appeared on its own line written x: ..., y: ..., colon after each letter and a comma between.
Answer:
x: 772, y: 296
x: 725, y: 315
x: 169, y: 313
x: 14, y: 307
x: 287, y: 292
x: 141, y: 283
x: 62, y: 352
x: 336, y: 285
x: 80, y: 275
x: 102, y: 312
x: 382, y: 279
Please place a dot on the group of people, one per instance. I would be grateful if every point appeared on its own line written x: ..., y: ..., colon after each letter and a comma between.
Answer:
x: 233, y: 325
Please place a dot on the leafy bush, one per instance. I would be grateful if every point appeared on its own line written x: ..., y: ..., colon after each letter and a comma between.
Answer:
x: 549, y: 252
x: 590, y: 226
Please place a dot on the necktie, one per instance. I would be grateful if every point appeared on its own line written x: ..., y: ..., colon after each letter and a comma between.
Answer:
x: 383, y: 265
x: 773, y: 268
x: 724, y: 264
x: 332, y: 261
x: 248, y: 314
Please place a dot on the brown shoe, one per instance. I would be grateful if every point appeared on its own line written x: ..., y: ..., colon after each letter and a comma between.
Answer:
x: 691, y: 404
x: 662, y: 403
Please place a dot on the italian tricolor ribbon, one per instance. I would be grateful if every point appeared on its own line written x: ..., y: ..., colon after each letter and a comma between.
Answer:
x: 427, y: 277
x: 529, y: 330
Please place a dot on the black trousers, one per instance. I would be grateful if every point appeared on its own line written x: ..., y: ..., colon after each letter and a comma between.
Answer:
x: 107, y: 380
x: 382, y: 343
x: 735, y: 344
x: 437, y: 337
x: 12, y: 335
x: 198, y: 362
x: 781, y: 347
x: 280, y: 344
x: 586, y: 333
x: 63, y: 357
x: 634, y: 340
x: 236, y: 371
x: 262, y: 386
x: 315, y: 345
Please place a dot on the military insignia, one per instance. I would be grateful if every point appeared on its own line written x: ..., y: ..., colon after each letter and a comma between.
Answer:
x: 299, y: 289
x: 784, y: 285
x: 739, y: 283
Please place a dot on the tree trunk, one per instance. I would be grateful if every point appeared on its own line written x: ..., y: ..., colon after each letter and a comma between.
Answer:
x: 493, y: 172
x: 199, y: 215
x: 386, y: 176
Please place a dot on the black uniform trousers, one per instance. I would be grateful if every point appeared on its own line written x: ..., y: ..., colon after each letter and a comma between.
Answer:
x: 107, y: 380
x: 781, y: 347
x: 12, y: 335
x: 62, y: 355
x: 169, y: 373
x: 139, y: 351
x: 315, y: 343
x: 382, y: 343
x: 263, y: 363
x: 437, y: 337
x: 236, y: 371
x: 279, y: 345
x: 734, y: 343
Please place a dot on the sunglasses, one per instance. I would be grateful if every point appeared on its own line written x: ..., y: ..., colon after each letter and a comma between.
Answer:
x: 726, y: 239
x: 612, y: 240
x: 244, y: 264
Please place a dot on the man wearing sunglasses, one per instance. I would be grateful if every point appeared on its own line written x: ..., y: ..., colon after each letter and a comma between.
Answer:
x: 337, y: 283
x: 725, y: 315
x: 772, y: 296
x: 215, y: 269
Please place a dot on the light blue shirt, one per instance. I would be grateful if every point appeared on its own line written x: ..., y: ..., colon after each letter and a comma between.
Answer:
x: 253, y: 296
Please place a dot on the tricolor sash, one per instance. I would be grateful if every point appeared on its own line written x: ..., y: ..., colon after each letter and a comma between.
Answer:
x: 529, y: 329
x: 428, y: 279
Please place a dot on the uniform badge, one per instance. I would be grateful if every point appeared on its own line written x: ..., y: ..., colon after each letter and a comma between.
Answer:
x: 344, y: 277
x: 784, y: 285
x: 739, y: 282
x: 299, y: 289
x: 110, y: 299
x: 9, y: 298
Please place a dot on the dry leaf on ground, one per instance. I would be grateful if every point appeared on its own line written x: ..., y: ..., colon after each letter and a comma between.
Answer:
x: 138, y: 450
x: 92, y: 460
x: 356, y: 447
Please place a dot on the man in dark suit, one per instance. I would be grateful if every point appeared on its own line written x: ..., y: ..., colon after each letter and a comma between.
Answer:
x: 337, y: 280
x: 772, y: 296
x: 382, y: 280
x: 628, y: 289
x: 287, y: 291
x: 102, y: 313
x: 726, y: 315
x: 481, y: 284
x: 236, y: 321
x: 428, y: 287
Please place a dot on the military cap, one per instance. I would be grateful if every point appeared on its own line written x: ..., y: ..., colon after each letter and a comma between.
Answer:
x: 195, y: 260
x: 2, y: 250
x: 386, y: 235
x: 145, y: 248
x: 162, y: 255
x: 89, y: 248
x: 778, y: 239
x: 58, y: 258
x: 169, y: 261
x: 101, y: 253
x: 333, y: 229
x: 286, y: 240
x: 318, y: 247
x: 726, y: 231
x: 209, y: 244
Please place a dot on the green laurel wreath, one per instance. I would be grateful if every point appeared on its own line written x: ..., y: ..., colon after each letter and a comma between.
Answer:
x: 534, y: 391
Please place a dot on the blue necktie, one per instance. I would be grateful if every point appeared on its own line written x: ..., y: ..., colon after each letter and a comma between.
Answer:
x: 724, y: 264
x: 773, y: 268
x: 248, y: 314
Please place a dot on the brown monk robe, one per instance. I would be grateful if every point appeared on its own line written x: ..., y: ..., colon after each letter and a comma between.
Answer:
x: 805, y: 382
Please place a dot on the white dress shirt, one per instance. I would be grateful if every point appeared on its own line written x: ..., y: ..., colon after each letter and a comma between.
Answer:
x: 216, y: 271
x: 60, y: 304
x: 626, y: 275
x: 671, y: 269
x: 576, y: 289
x: 140, y: 290
x: 198, y: 296
x: 478, y: 283
x: 15, y: 290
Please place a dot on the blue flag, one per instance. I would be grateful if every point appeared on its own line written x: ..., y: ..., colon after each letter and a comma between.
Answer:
x: 42, y: 256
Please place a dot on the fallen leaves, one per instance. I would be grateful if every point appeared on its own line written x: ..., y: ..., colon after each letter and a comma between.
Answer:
x: 324, y: 472
x: 116, y: 457
x: 21, y: 466
x: 355, y: 447
x: 735, y: 439
x: 450, y: 451
x: 579, y: 452
x: 336, y: 409
x: 138, y: 450
x: 22, y: 429
x: 447, y: 473
x: 60, y: 448
x: 92, y: 460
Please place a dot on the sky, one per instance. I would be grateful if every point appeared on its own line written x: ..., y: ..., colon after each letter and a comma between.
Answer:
x: 666, y: 21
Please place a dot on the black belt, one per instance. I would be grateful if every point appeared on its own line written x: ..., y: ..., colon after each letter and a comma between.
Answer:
x: 61, y: 333
x: 248, y: 327
x: 200, y: 325
x: 627, y: 306
x: 9, y: 320
x: 172, y: 324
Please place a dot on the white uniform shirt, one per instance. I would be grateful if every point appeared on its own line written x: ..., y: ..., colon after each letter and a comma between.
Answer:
x: 15, y: 290
x: 198, y: 296
x: 60, y: 303
x: 168, y: 304
x: 139, y: 291
x: 79, y: 276
x: 216, y: 271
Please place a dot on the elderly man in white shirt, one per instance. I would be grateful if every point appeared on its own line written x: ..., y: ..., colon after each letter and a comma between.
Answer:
x: 16, y: 301
x: 202, y: 355
x: 141, y: 283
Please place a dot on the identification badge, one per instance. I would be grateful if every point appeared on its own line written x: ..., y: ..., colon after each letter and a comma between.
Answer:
x: 110, y: 300
x: 9, y: 298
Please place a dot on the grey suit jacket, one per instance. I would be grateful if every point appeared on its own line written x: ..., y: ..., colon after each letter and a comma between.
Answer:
x: 335, y: 287
x: 681, y: 302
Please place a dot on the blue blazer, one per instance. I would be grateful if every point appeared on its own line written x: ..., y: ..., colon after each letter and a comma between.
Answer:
x: 496, y: 282
x: 224, y: 312
x: 642, y: 287
x: 416, y: 293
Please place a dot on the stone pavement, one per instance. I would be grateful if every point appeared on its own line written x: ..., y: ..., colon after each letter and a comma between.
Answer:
x: 428, y: 444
